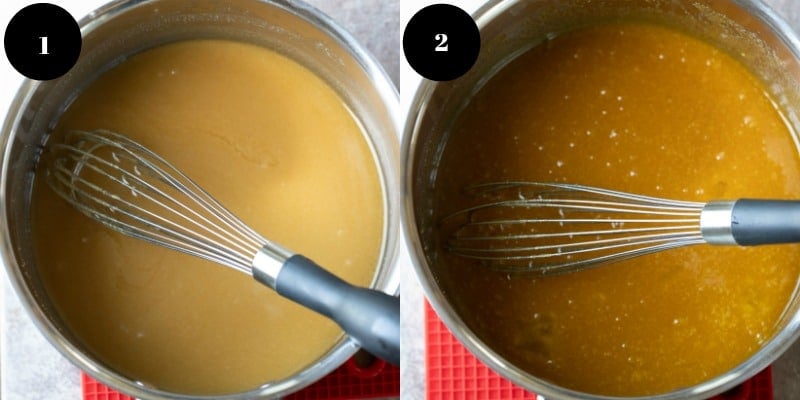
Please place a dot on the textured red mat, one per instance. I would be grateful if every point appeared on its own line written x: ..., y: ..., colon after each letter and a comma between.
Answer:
x: 348, y: 382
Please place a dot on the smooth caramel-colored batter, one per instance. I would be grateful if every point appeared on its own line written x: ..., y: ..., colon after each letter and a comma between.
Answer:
x: 274, y: 144
x: 643, y: 109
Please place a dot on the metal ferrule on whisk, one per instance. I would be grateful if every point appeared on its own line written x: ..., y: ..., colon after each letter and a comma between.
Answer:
x: 268, y: 261
x: 716, y: 222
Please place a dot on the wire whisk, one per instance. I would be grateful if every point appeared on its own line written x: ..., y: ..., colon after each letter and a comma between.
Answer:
x: 132, y: 190
x: 553, y: 228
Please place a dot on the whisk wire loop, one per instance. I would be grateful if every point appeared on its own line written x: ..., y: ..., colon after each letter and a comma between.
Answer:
x: 655, y: 231
x: 88, y: 191
x: 555, y: 228
x: 163, y: 207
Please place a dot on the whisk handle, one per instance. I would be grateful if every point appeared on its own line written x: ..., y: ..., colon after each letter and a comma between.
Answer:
x: 369, y: 316
x: 755, y: 222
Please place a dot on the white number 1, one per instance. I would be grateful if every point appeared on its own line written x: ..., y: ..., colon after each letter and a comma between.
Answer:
x: 442, y: 38
x: 44, y: 45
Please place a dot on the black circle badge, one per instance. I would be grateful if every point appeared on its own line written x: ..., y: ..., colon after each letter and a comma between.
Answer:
x: 441, y: 42
x: 42, y: 41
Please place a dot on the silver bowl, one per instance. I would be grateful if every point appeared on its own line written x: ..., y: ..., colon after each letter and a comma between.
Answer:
x: 748, y: 30
x: 120, y: 29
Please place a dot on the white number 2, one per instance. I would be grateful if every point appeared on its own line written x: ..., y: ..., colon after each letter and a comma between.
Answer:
x: 442, y: 38
x: 44, y: 45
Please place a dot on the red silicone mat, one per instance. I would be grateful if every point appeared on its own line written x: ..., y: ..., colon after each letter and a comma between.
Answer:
x: 349, y: 382
x: 455, y: 374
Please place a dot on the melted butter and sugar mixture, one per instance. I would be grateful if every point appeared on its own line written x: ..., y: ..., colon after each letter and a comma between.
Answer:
x: 275, y: 145
x: 643, y: 109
